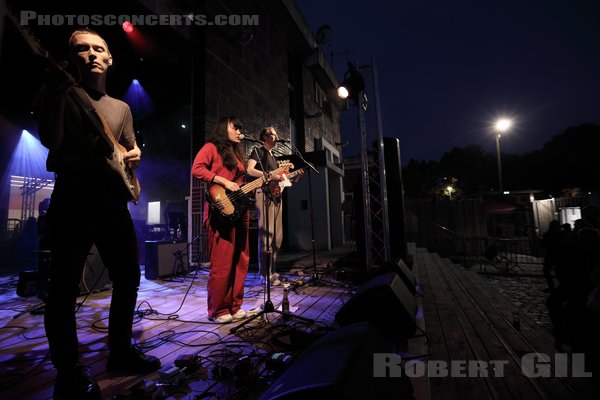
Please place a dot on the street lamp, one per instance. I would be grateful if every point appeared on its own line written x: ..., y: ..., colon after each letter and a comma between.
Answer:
x: 501, y: 125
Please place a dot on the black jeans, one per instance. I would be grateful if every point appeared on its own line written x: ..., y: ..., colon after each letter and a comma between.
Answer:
x: 80, y: 215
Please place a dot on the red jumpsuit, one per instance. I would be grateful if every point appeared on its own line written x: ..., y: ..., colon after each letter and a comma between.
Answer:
x: 227, y: 242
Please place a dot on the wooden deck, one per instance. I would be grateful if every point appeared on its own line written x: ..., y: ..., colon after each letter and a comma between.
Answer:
x: 466, y: 319
x: 172, y: 321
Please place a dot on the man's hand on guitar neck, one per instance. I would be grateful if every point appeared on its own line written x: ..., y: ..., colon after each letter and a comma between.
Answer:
x: 133, y: 156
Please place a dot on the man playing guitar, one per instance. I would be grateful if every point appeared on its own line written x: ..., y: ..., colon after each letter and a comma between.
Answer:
x: 88, y: 206
x: 268, y: 201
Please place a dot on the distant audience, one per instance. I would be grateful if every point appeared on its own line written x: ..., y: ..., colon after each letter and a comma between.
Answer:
x: 574, y: 304
x: 551, y: 243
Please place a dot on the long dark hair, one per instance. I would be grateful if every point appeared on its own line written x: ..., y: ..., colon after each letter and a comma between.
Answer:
x: 231, y: 152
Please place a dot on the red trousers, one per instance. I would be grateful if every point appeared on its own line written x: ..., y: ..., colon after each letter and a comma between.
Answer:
x: 229, y: 260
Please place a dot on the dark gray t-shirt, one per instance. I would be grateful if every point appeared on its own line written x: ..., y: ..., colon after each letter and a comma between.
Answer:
x: 267, y: 160
x: 74, y: 144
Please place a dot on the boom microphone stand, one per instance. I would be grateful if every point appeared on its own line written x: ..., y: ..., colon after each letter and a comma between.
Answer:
x: 178, y: 264
x: 268, y: 306
x: 315, y: 274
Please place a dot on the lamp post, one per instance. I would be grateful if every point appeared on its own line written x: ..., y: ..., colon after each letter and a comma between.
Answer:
x: 501, y: 125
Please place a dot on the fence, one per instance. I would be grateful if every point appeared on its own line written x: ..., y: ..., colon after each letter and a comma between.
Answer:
x: 503, y: 254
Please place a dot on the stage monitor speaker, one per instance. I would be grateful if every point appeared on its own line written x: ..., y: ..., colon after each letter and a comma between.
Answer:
x: 340, y: 366
x: 95, y: 276
x: 27, y: 284
x: 386, y: 303
x: 402, y: 270
x: 165, y: 258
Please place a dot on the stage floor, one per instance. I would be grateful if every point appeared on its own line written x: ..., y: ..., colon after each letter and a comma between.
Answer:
x: 171, y: 321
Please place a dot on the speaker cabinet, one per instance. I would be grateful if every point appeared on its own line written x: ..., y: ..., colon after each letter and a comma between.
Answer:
x: 386, y: 303
x: 94, y: 277
x: 403, y: 272
x: 339, y: 366
x: 27, y: 284
x: 165, y: 258
x: 395, y: 195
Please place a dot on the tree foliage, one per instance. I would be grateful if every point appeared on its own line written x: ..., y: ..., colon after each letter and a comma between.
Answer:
x: 569, y: 160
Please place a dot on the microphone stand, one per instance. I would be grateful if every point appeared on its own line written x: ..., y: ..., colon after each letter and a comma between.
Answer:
x: 315, y: 274
x: 268, y: 306
x: 178, y: 258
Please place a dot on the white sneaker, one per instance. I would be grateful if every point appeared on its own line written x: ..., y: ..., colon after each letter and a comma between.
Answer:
x: 223, y: 319
x: 274, y: 280
x: 239, y: 314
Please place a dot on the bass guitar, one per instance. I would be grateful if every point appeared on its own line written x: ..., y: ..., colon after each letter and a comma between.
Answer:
x: 115, y: 160
x: 230, y: 206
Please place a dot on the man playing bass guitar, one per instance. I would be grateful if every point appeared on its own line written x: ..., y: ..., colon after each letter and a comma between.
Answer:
x: 88, y: 206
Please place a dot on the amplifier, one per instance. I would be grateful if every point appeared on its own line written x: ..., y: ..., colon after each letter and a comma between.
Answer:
x: 95, y: 276
x: 165, y: 258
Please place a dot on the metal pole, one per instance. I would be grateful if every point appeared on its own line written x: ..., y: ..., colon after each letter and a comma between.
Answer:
x: 382, y: 174
x: 365, y: 183
x: 499, y: 163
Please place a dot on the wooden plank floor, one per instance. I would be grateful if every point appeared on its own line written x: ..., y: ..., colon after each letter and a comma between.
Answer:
x: 463, y: 317
x: 172, y: 321
x: 466, y: 319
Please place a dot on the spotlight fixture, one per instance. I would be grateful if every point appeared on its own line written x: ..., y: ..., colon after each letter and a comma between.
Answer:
x: 343, y: 92
x: 353, y: 84
x: 127, y: 26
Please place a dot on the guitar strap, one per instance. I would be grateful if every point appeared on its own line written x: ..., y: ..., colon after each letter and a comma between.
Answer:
x: 239, y: 174
x: 91, y: 111
x: 112, y: 146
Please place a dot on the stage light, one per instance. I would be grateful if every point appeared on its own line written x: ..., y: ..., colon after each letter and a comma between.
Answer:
x: 343, y: 92
x: 353, y: 84
x: 27, y: 163
x: 127, y: 26
x: 183, y: 126
x: 138, y: 100
x: 29, y: 158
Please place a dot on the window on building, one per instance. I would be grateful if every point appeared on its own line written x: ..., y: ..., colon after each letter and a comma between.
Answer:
x: 322, y: 100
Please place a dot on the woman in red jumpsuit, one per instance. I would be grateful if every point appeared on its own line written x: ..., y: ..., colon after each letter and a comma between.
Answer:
x: 222, y: 161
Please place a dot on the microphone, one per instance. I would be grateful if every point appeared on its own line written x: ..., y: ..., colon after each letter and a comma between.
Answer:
x: 241, y: 136
x: 283, y: 141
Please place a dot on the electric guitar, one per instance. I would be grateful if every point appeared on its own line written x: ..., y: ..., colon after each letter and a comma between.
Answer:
x: 230, y: 206
x: 276, y: 188
x: 115, y: 160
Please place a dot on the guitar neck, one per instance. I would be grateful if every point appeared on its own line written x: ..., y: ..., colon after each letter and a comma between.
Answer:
x: 248, y: 187
x: 78, y: 96
x: 255, y: 184
x: 293, y: 174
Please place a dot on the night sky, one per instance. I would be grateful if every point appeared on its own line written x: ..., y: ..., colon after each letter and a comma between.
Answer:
x: 447, y: 69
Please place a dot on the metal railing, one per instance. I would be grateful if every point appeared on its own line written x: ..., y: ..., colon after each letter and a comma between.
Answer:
x: 506, y: 255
